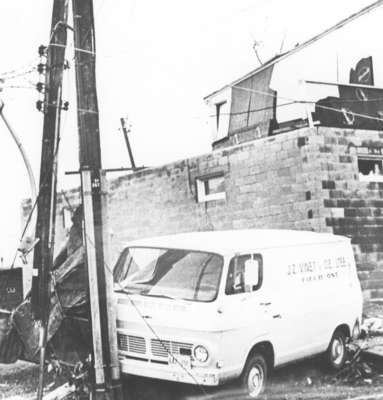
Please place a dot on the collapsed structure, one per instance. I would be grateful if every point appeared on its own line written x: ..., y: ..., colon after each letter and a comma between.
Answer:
x: 263, y: 173
x: 322, y: 172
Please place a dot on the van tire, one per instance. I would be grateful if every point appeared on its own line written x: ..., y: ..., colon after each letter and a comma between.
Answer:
x: 336, y: 353
x: 254, y: 376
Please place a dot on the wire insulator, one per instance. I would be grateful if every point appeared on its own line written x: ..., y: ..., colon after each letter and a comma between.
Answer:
x: 41, y: 68
x: 42, y: 50
x: 65, y: 106
x: 39, y: 87
x: 39, y: 105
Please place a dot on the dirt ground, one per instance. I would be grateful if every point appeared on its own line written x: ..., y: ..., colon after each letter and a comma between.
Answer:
x: 304, y: 380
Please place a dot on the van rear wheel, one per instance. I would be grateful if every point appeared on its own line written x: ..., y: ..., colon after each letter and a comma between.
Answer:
x: 337, y: 353
x: 254, y: 376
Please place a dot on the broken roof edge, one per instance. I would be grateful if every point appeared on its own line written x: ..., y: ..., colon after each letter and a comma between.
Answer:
x: 255, y: 71
x: 274, y: 60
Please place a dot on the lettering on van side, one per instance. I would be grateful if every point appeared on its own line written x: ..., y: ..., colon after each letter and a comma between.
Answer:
x: 312, y: 270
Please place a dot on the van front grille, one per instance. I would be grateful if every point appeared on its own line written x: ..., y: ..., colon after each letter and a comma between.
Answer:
x: 158, y: 348
x: 132, y: 344
x: 162, y: 348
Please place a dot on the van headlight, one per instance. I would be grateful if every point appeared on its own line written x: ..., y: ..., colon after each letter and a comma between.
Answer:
x: 201, y: 354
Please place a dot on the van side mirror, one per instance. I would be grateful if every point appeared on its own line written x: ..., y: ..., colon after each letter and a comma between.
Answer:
x: 251, y: 274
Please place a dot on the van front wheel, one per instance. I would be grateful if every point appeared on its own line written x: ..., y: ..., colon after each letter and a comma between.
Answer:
x: 337, y: 352
x: 254, y: 376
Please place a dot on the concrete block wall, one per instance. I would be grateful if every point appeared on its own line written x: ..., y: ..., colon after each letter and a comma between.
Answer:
x: 305, y: 179
x: 268, y: 183
x: 352, y: 207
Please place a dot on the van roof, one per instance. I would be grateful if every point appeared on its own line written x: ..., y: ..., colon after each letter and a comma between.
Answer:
x: 238, y: 240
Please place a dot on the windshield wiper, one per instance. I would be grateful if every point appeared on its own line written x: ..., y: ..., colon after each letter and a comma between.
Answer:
x: 162, y: 296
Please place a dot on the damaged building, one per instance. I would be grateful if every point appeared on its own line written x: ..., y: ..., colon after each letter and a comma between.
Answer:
x: 320, y: 172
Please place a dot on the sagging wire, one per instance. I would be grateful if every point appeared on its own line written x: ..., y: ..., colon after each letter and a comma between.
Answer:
x: 307, y: 102
x: 18, y: 70
x: 254, y: 110
x: 30, y: 214
x: 148, y: 325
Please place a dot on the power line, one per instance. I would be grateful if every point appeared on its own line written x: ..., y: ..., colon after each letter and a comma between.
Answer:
x: 254, y: 110
x: 18, y: 70
x: 309, y: 102
x: 305, y: 44
x: 150, y: 327
x: 342, y: 111
x: 29, y: 218
x: 17, y: 87
x: 291, y: 103
x: 16, y: 75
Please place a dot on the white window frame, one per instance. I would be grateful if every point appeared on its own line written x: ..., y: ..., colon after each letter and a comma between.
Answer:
x: 202, y: 196
x: 222, y: 99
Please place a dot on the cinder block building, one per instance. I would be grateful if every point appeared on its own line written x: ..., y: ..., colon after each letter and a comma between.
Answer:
x: 260, y: 174
x: 307, y: 179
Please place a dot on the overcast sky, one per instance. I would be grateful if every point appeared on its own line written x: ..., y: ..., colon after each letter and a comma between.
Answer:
x: 156, y: 60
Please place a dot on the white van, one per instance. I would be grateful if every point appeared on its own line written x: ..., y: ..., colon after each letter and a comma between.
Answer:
x: 206, y: 307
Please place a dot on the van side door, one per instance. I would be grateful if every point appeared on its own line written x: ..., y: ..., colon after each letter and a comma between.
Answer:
x: 245, y: 312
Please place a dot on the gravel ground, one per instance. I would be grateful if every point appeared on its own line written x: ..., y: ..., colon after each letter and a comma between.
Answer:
x: 21, y: 379
x: 17, y: 379
x: 304, y: 380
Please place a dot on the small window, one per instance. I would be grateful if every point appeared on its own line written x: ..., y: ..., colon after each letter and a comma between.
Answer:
x: 370, y: 169
x: 236, y: 276
x: 211, y: 188
x: 222, y: 118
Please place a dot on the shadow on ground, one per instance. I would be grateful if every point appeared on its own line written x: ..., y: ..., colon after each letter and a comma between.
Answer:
x: 304, y: 380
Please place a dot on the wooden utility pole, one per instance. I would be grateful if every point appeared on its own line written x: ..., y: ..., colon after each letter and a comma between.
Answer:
x: 125, y: 131
x: 43, y: 252
x: 105, y: 356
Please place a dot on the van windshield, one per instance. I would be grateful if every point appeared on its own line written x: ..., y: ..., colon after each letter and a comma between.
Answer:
x: 169, y: 273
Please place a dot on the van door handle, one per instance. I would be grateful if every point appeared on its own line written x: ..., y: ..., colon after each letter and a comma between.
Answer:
x: 265, y: 304
x: 277, y: 316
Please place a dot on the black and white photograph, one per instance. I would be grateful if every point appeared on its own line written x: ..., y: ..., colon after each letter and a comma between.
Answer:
x: 192, y: 200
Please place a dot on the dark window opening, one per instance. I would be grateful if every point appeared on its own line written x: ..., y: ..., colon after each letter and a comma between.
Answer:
x: 218, y: 108
x: 214, y: 185
x: 369, y: 167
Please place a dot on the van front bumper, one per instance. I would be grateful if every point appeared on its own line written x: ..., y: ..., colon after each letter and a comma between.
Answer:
x: 150, y: 369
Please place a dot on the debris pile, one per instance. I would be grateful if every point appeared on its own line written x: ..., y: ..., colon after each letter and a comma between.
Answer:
x: 372, y: 327
x: 360, y: 369
x: 356, y: 370
x: 67, y: 337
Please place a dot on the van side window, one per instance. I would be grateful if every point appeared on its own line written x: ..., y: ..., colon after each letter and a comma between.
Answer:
x: 236, y: 282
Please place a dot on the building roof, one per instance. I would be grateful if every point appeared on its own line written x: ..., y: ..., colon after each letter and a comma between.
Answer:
x: 301, y: 46
x: 262, y: 67
x: 237, y: 240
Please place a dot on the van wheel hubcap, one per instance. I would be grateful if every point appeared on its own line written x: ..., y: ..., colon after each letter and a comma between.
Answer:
x: 255, y: 381
x: 337, y: 351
